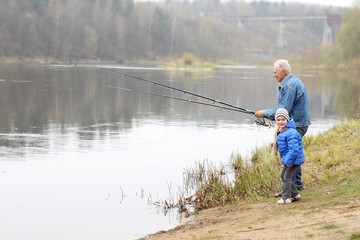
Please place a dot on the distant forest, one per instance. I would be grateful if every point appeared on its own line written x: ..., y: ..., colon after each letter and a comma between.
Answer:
x: 127, y: 30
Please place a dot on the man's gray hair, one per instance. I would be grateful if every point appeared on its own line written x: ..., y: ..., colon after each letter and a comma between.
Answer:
x: 283, y: 65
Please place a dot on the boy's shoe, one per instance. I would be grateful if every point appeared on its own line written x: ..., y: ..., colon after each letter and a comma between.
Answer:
x: 297, y: 197
x: 282, y: 201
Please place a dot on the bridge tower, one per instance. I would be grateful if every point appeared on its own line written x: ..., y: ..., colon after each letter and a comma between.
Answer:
x: 282, y: 36
x: 328, y: 38
x: 330, y: 24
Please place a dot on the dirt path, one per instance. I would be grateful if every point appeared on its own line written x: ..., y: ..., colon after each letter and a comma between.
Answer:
x: 270, y: 221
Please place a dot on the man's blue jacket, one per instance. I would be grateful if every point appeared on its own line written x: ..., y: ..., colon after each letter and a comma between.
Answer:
x: 292, y: 97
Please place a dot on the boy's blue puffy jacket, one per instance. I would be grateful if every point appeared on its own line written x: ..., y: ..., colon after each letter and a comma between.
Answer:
x: 290, y: 145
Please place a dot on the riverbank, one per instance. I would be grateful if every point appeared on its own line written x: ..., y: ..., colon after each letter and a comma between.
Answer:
x: 309, y: 218
x: 329, y: 207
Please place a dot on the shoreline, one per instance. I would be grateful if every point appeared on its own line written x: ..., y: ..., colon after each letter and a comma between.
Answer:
x: 299, y: 64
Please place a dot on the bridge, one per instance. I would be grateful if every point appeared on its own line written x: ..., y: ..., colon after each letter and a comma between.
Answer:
x: 329, y: 21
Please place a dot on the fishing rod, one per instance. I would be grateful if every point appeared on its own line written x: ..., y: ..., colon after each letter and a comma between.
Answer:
x: 170, y: 87
x: 178, y: 98
x: 228, y: 106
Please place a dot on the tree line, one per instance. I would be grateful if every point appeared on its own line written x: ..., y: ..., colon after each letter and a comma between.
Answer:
x: 125, y: 30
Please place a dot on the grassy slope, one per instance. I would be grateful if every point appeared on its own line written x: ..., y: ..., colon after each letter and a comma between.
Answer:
x: 330, y: 157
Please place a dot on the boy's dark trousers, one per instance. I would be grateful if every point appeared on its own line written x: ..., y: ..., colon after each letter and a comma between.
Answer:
x: 288, y: 187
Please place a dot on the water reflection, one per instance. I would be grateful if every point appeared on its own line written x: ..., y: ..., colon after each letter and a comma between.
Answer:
x: 347, y: 94
x: 75, y: 148
x: 81, y: 96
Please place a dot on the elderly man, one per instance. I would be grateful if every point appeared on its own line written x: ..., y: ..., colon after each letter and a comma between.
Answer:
x: 292, y: 97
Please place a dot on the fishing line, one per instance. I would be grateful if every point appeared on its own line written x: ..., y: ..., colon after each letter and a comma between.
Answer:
x: 170, y: 87
x: 178, y: 98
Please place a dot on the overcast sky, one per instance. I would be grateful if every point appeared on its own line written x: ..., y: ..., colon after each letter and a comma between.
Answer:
x: 338, y: 3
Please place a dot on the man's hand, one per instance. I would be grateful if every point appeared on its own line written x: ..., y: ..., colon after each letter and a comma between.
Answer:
x: 259, y: 114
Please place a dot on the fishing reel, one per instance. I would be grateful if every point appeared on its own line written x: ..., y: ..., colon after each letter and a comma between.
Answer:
x: 262, y: 122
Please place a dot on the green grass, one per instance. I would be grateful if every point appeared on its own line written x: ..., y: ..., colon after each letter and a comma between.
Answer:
x: 331, y: 226
x: 189, y: 61
x: 355, y: 235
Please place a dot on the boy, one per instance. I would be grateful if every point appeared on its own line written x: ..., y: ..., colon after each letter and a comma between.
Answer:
x: 291, y: 153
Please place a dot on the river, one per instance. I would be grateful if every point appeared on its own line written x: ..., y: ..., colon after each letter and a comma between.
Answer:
x: 82, y: 158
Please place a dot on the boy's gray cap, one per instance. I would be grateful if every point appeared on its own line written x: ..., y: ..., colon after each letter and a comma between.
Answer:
x: 282, y: 112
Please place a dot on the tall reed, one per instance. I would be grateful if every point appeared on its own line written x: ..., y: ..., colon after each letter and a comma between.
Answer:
x: 245, y: 179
